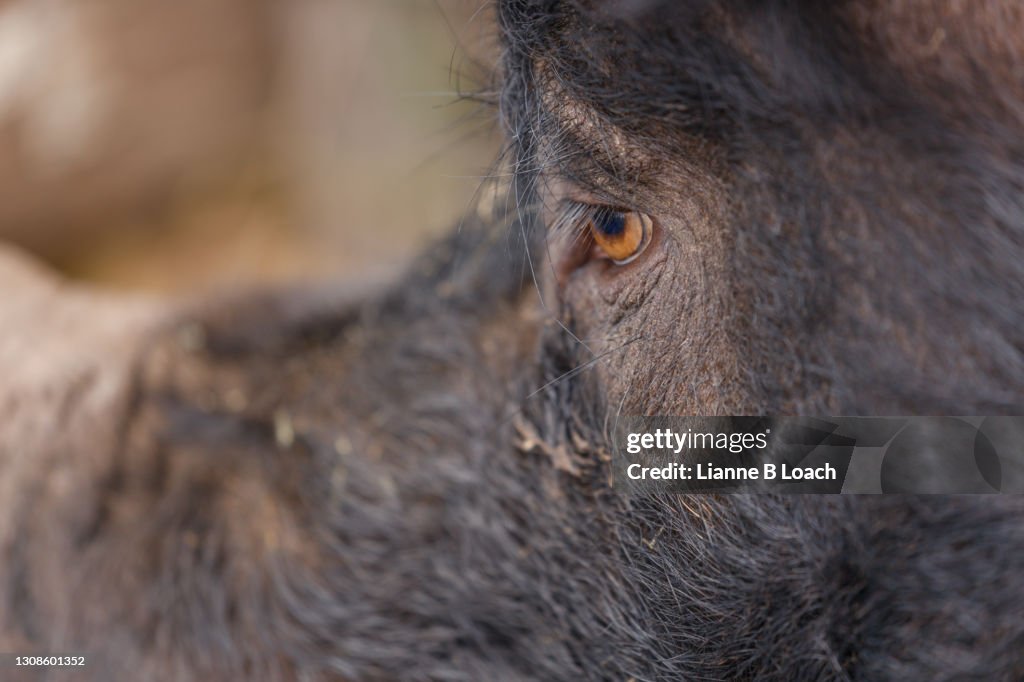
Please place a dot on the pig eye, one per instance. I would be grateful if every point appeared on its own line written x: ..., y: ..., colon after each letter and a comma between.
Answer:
x: 620, y: 236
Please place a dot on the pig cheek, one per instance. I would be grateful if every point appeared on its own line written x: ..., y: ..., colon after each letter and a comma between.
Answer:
x: 620, y: 316
x: 654, y: 332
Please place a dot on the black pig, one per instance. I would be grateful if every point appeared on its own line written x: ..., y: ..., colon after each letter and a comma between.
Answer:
x: 731, y: 207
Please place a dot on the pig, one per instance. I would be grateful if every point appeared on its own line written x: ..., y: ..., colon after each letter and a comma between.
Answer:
x: 716, y: 208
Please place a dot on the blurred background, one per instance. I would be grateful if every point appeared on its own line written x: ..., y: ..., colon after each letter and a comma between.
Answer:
x: 177, y: 146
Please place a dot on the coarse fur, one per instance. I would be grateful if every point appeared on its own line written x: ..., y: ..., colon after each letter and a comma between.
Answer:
x: 414, y: 486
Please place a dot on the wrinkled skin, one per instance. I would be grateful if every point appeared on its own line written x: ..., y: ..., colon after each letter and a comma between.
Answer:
x: 306, y: 486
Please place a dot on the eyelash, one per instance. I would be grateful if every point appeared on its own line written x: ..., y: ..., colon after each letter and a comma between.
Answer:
x: 574, y: 216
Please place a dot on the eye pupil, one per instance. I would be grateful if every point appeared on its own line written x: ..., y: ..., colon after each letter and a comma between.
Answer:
x: 611, y: 223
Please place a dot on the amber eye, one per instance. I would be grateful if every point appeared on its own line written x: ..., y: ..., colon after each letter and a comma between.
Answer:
x: 621, y: 235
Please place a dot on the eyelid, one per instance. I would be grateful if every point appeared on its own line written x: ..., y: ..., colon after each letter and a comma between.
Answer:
x: 571, y: 215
